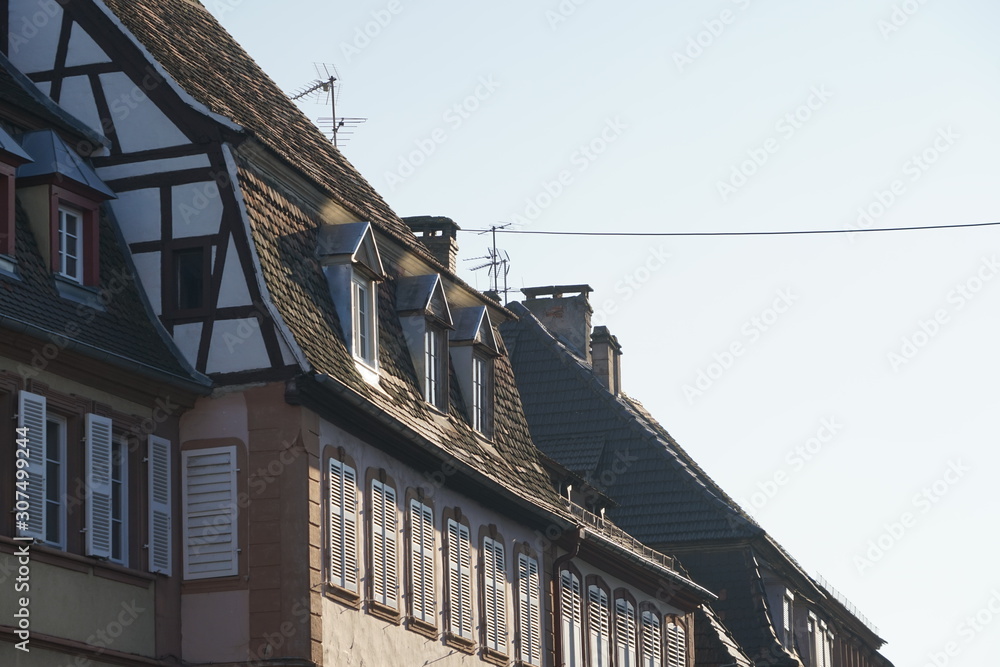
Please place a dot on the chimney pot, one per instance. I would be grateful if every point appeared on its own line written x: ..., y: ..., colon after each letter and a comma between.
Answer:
x: 607, y: 359
x: 439, y: 235
x: 566, y: 317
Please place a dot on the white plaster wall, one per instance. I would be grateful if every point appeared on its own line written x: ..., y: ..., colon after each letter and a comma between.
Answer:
x: 237, y: 345
x: 77, y: 97
x: 187, y: 337
x: 233, y: 291
x: 83, y: 50
x: 34, y: 34
x: 147, y: 265
x: 197, y: 209
x: 139, y: 122
x: 138, y: 214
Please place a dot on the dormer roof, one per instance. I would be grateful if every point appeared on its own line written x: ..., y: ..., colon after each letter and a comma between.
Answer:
x: 423, y: 295
x: 473, y: 326
x: 52, y: 158
x: 11, y: 151
x: 354, y: 243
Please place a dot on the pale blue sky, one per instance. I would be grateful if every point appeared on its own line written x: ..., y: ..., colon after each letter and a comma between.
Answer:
x: 675, y: 133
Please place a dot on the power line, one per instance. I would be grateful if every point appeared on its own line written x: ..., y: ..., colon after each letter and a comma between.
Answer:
x: 788, y: 232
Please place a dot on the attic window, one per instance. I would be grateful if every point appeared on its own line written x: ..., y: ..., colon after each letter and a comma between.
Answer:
x: 351, y: 262
x: 11, y: 157
x: 190, y: 278
x: 474, y: 350
x: 62, y: 195
x: 426, y: 318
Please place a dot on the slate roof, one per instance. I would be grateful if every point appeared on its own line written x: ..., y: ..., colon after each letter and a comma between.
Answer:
x: 663, y: 495
x: 714, y: 645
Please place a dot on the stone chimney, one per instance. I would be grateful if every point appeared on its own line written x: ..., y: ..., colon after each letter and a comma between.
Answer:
x: 439, y: 236
x: 607, y: 359
x: 566, y: 317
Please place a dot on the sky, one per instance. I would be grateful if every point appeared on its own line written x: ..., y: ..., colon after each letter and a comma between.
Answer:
x: 842, y: 387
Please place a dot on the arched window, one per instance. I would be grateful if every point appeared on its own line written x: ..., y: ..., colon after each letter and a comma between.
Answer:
x: 528, y: 637
x: 651, y: 641
x: 598, y: 622
x: 676, y: 644
x: 626, y: 629
x: 494, y: 583
x: 571, y: 617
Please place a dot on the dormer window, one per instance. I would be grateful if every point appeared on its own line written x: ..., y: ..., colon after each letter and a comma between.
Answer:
x: 70, y: 249
x: 353, y: 267
x: 474, y: 349
x: 11, y: 157
x: 426, y: 318
x: 62, y: 195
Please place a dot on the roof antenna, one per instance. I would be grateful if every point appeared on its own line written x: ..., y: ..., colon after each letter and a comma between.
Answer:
x: 498, y: 261
x: 325, y: 89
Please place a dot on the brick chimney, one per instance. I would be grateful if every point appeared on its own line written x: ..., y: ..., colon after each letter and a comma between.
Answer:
x: 439, y: 235
x: 607, y: 359
x: 566, y: 317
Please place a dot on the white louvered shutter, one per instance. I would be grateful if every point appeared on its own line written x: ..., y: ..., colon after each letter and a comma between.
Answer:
x: 160, y: 519
x: 343, y: 526
x: 676, y: 646
x: 422, y: 561
x: 529, y: 611
x: 459, y: 579
x: 384, y: 541
x: 599, y: 626
x: 652, y: 640
x: 98, y: 455
x: 625, y: 630
x: 495, y: 594
x: 31, y: 422
x: 210, y: 538
x: 571, y: 607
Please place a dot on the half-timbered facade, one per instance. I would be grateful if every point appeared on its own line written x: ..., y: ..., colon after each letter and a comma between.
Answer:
x: 360, y: 487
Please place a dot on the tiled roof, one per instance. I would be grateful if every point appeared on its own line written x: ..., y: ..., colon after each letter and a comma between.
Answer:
x: 119, y: 333
x: 285, y: 235
x: 734, y: 576
x: 714, y: 645
x: 214, y: 69
x: 662, y: 494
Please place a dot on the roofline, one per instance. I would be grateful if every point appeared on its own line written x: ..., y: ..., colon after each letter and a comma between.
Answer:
x: 194, y: 385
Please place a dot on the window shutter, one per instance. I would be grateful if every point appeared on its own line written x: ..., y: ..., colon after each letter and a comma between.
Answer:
x: 384, y: 552
x: 676, y: 646
x: 98, y: 470
x: 422, y: 561
x: 625, y: 628
x: 651, y: 639
x: 530, y: 620
x: 495, y: 594
x: 210, y: 540
x: 571, y: 605
x: 31, y: 425
x: 159, y: 506
x: 343, y: 526
x: 459, y: 579
x: 599, y: 622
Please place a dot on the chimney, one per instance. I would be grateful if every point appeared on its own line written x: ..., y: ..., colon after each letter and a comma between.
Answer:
x: 566, y: 317
x: 439, y: 236
x: 607, y: 355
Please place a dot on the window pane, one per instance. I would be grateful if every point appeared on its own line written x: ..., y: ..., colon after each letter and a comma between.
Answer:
x: 189, y: 272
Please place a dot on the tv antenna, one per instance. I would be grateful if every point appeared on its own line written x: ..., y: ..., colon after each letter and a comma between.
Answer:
x: 326, y: 90
x: 496, y: 260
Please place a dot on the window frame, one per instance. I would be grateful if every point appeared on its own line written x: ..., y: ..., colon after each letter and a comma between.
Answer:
x: 435, y: 367
x: 650, y: 641
x: 528, y: 615
x: 421, y: 564
x: 494, y: 594
x: 675, y: 630
x: 594, y: 582
x: 89, y: 239
x: 345, y: 589
x: 631, y: 652
x: 481, y: 401
x: 381, y: 491
x: 233, y: 512
x: 57, y: 486
x: 571, y: 645
x: 460, y: 637
x: 366, y: 287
